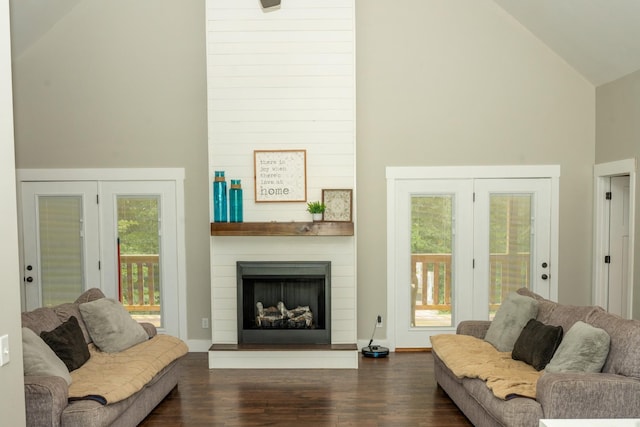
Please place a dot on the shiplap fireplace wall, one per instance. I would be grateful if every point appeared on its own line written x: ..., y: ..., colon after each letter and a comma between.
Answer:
x: 277, y: 80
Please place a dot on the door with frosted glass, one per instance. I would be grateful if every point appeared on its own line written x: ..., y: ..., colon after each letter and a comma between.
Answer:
x: 60, y: 239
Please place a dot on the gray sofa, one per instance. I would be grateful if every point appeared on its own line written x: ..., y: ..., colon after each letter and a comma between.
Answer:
x: 47, y: 397
x: 612, y: 393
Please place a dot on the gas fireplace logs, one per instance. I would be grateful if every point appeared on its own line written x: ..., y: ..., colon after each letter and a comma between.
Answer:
x: 282, y: 318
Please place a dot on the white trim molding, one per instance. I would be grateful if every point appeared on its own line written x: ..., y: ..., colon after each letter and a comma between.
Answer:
x: 601, y: 173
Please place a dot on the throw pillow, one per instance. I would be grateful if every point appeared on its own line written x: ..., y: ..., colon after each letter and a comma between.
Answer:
x: 511, y: 318
x: 583, y: 349
x: 67, y: 342
x: 39, y: 359
x: 111, y: 327
x: 537, y: 343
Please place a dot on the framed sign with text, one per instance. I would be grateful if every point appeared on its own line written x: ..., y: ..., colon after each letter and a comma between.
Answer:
x: 280, y: 175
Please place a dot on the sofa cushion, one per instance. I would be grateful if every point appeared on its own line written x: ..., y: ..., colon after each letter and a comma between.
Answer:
x: 110, y: 325
x: 625, y: 341
x: 89, y: 295
x: 41, y: 319
x: 583, y: 349
x: 537, y: 343
x: 39, y: 359
x: 552, y: 313
x: 68, y: 310
x: 68, y: 343
x: 512, y: 316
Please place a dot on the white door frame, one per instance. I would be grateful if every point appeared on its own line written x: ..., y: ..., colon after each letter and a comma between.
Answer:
x: 128, y: 174
x: 395, y: 174
x: 601, y: 174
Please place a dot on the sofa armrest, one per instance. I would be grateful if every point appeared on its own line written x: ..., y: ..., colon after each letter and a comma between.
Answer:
x: 588, y: 395
x: 45, y: 399
x: 149, y: 328
x: 475, y: 328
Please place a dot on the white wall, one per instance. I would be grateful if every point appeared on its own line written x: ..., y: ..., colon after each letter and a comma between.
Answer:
x: 11, y: 374
x: 454, y: 83
x: 121, y: 84
x: 282, y: 79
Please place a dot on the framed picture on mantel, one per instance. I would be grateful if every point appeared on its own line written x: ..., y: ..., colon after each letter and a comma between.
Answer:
x: 338, y: 204
x: 280, y: 176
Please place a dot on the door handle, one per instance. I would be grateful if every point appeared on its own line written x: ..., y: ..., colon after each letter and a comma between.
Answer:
x: 29, y: 279
x: 544, y: 277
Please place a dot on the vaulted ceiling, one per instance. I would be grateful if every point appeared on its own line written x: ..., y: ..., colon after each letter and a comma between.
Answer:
x: 598, y: 38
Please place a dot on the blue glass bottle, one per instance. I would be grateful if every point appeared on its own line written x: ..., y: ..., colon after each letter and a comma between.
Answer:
x: 235, y: 201
x: 219, y: 197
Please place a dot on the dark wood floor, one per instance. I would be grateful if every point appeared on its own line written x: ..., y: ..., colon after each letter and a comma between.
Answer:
x: 396, y: 391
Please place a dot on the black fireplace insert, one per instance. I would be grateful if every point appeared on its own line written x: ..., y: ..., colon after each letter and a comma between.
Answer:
x: 284, y: 302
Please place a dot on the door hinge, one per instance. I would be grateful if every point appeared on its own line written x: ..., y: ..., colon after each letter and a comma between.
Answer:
x: 99, y: 265
x: 474, y: 197
x: 607, y: 195
x: 97, y: 199
x: 607, y: 259
x: 473, y: 264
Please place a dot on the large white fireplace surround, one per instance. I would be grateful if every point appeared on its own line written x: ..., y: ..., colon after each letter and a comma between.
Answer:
x: 273, y: 85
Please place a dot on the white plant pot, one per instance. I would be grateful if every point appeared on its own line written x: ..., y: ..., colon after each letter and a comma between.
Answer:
x: 317, y: 216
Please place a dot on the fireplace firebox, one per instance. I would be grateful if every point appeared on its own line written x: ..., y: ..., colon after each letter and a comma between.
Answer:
x: 284, y: 302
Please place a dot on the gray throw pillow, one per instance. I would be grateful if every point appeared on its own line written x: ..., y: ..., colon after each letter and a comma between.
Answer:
x: 583, y: 349
x: 39, y: 359
x: 111, y: 327
x: 511, y: 318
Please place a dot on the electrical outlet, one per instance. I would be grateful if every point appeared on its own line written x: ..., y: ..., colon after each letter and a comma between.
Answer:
x: 205, y: 323
x: 379, y: 321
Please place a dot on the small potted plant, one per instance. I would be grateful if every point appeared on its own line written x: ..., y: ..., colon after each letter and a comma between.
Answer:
x: 316, y: 209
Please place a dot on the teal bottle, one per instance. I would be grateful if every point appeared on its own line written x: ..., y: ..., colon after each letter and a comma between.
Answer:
x: 235, y: 201
x: 219, y: 197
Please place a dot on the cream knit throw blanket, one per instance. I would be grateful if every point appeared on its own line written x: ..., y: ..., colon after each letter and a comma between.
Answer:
x: 116, y: 376
x: 470, y: 357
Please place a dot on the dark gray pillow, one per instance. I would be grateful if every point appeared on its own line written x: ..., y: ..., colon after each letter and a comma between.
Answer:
x: 511, y: 318
x: 537, y: 343
x: 583, y: 349
x: 39, y: 359
x: 111, y: 327
x: 67, y: 342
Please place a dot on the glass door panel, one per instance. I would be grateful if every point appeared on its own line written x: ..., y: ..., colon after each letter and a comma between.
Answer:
x: 61, y: 248
x: 510, y: 246
x: 139, y: 254
x: 431, y: 250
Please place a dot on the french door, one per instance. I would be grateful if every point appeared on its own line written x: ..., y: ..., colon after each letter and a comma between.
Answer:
x: 61, y: 241
x: 120, y: 236
x: 457, y: 247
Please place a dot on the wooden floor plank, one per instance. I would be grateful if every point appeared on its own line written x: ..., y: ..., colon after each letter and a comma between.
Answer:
x: 399, y: 390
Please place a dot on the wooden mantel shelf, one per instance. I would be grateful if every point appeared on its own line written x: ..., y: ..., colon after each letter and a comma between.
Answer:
x: 318, y: 228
